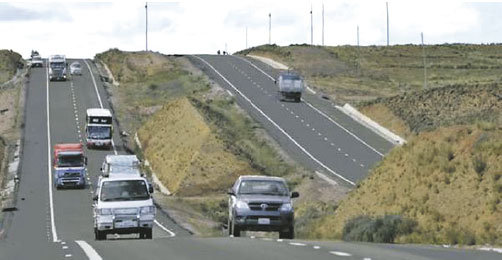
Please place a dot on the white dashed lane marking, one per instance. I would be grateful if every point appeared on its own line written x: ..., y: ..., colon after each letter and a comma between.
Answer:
x: 297, y: 244
x: 339, y: 253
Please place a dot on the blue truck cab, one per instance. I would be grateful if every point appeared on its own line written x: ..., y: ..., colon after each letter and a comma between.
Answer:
x: 69, y: 166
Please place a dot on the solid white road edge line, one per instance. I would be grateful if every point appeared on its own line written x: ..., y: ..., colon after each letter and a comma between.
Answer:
x: 99, y: 98
x: 164, y: 228
x: 88, y: 250
x: 49, y: 164
x: 276, y: 125
x: 113, y: 144
x: 317, y: 110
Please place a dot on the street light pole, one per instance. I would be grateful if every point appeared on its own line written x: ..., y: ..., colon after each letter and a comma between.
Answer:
x: 269, y: 28
x: 425, y: 64
x: 322, y: 24
x: 311, y: 27
x: 387, y: 7
x: 146, y: 26
x: 246, y: 37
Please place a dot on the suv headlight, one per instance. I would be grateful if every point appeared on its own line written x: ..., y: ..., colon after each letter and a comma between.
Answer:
x: 104, y: 211
x: 241, y: 205
x: 147, y: 210
x: 286, y: 207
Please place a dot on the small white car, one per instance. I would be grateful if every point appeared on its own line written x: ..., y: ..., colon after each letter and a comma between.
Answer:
x: 76, y: 68
x: 123, y: 205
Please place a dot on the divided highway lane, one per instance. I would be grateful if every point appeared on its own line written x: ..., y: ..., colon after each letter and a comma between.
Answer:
x: 307, y: 134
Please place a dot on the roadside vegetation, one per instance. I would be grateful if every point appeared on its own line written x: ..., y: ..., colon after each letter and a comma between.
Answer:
x: 444, y: 186
x: 195, y: 137
x: 354, y: 74
x: 11, y: 118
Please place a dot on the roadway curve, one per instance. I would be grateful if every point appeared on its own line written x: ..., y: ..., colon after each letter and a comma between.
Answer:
x: 57, y: 224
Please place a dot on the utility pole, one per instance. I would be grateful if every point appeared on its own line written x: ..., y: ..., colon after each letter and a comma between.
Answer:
x: 146, y: 26
x: 269, y: 28
x: 425, y: 64
x: 246, y: 37
x: 358, y: 36
x: 387, y: 7
x: 322, y: 24
x: 311, y: 27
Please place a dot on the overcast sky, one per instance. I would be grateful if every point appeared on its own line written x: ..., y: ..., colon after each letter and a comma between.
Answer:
x: 82, y: 29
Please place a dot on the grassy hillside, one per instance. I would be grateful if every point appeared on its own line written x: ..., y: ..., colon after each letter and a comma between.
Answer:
x: 445, y: 185
x: 9, y: 61
x: 353, y: 74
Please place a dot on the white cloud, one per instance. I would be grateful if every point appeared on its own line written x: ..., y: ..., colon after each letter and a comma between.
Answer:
x: 83, y: 29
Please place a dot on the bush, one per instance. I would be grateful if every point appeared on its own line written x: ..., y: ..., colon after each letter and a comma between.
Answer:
x: 380, y: 229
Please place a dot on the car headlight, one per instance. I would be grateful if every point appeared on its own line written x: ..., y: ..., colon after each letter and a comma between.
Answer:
x: 241, y: 205
x: 147, y: 210
x: 286, y: 207
x: 104, y: 211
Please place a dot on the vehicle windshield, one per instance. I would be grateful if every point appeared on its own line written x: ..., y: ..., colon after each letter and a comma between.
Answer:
x: 291, y: 77
x: 75, y: 65
x: 99, y: 132
x: 123, y: 190
x: 57, y: 65
x: 263, y: 187
x: 70, y: 160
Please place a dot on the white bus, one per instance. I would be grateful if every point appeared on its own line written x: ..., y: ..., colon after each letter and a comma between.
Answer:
x: 99, y: 128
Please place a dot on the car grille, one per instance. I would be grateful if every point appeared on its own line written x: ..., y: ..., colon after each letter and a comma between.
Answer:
x: 264, y: 206
x: 71, y: 174
x: 125, y: 211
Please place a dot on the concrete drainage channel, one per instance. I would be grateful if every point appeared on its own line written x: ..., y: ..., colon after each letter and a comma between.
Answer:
x: 10, y: 182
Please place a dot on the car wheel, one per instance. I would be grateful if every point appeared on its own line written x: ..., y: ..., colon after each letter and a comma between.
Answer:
x: 235, y: 230
x: 99, y: 235
x: 229, y: 226
x: 148, y: 234
x: 290, y: 234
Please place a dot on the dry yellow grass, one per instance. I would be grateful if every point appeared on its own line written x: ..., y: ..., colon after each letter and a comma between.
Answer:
x: 384, y: 116
x: 187, y: 157
x: 437, y: 179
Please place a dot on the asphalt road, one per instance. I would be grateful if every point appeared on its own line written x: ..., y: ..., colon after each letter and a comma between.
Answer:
x: 322, y: 141
x: 57, y: 224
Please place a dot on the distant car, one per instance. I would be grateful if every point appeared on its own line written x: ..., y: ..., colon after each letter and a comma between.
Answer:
x: 291, y: 86
x: 261, y: 203
x: 76, y: 68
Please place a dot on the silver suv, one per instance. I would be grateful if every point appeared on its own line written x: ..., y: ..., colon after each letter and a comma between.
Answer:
x: 260, y: 203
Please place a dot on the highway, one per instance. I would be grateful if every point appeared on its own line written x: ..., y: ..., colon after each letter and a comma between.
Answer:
x: 57, y: 224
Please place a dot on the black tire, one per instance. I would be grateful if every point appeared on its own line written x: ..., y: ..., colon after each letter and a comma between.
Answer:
x: 236, y: 232
x: 99, y: 235
x: 229, y: 226
x: 290, y: 234
x: 147, y: 234
x: 298, y: 99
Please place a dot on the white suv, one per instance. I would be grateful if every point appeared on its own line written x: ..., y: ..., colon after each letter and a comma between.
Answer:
x: 123, y: 205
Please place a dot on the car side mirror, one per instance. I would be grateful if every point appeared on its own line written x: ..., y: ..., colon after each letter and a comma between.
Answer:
x: 231, y: 192
x: 295, y: 194
x: 150, y: 188
x: 95, y: 197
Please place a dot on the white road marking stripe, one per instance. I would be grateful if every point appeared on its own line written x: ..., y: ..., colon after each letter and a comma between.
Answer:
x: 347, y: 131
x: 362, y: 165
x: 67, y: 255
x: 65, y: 247
x: 230, y: 93
x: 339, y: 253
x: 279, y: 240
x: 297, y: 244
x: 267, y: 239
x: 276, y: 125
x: 326, y: 178
x: 88, y: 250
x: 366, y: 258
x: 311, y: 90
x: 164, y: 228
x: 49, y: 163
x: 316, y: 247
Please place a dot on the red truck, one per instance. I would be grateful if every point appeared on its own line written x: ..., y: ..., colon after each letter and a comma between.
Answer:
x: 69, y: 165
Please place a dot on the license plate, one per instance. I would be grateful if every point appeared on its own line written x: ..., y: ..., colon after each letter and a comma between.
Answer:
x: 264, y: 221
x: 126, y: 224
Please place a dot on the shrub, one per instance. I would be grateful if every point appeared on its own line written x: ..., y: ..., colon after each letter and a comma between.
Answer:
x: 380, y: 229
x: 479, y: 165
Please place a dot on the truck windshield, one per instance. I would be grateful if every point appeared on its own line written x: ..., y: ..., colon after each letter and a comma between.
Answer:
x: 73, y: 160
x: 99, y: 132
x: 122, y: 190
x: 57, y: 65
x: 263, y: 187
